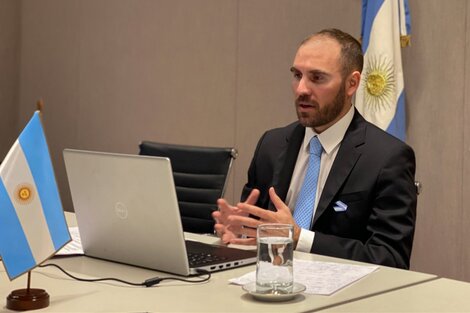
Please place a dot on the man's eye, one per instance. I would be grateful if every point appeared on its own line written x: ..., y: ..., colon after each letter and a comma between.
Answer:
x: 317, y: 78
x: 297, y: 76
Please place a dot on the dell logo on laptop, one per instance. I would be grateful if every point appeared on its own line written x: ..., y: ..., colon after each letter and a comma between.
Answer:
x: 121, y: 210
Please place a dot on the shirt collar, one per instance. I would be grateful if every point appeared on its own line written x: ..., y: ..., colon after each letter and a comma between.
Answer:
x: 333, y: 135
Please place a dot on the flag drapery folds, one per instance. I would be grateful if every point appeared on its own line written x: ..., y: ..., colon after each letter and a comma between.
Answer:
x: 381, y: 97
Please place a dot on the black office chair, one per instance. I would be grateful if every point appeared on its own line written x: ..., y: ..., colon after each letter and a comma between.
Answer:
x: 200, y: 175
x: 418, y: 186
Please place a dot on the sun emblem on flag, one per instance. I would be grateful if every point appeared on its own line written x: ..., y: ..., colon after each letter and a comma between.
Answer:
x: 379, y: 84
x: 24, y: 193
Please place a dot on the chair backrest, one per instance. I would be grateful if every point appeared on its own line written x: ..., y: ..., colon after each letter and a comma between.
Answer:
x: 418, y: 186
x: 200, y: 175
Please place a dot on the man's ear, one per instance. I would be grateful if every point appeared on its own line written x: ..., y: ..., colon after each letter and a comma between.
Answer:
x: 353, y: 83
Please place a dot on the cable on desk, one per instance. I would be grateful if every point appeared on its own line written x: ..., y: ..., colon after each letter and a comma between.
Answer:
x: 147, y: 283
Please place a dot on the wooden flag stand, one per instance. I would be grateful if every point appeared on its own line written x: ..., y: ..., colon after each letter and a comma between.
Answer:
x: 27, y: 299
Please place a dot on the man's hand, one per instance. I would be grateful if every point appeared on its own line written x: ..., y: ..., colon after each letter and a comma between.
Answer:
x: 229, y: 233
x: 242, y: 224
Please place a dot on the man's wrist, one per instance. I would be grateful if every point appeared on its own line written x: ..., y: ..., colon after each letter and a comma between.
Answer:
x: 296, y: 234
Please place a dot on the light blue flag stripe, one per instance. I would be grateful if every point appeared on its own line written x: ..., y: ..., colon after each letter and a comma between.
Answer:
x: 369, y: 11
x: 34, y: 146
x: 17, y: 257
x: 397, y: 125
x: 407, y: 18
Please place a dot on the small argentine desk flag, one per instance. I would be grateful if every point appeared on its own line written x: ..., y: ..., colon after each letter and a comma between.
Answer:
x: 32, y: 221
x: 381, y: 97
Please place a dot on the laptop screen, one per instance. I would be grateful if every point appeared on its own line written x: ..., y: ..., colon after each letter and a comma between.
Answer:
x: 127, y: 211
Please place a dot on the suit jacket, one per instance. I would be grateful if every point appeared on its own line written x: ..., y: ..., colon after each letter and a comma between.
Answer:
x: 373, y: 174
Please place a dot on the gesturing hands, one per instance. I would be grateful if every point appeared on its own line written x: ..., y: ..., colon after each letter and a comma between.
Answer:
x: 237, y: 225
x: 228, y: 232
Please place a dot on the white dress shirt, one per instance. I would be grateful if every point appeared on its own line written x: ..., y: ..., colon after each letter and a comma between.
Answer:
x: 330, y: 140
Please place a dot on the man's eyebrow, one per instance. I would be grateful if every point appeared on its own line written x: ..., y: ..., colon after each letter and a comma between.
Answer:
x: 316, y: 72
x: 311, y: 72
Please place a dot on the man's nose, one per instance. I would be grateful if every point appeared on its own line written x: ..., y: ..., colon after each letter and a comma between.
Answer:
x: 302, y: 87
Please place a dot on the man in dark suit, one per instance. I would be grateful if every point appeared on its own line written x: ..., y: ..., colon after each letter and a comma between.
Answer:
x: 365, y: 204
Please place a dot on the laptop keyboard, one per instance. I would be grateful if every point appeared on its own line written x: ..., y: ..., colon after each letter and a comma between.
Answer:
x: 202, y: 258
x: 213, y: 257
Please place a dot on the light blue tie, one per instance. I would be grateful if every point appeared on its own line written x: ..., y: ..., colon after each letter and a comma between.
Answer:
x: 303, y: 212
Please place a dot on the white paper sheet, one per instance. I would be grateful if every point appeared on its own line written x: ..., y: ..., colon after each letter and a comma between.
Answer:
x: 74, y: 247
x: 320, y: 278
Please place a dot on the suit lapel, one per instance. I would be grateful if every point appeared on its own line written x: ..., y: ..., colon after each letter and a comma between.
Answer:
x: 282, y: 177
x: 348, y: 154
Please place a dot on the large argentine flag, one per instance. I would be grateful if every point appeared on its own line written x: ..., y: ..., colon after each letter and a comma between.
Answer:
x: 32, y: 222
x: 380, y: 97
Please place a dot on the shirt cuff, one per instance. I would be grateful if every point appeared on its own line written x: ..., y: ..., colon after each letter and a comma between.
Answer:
x: 305, y: 242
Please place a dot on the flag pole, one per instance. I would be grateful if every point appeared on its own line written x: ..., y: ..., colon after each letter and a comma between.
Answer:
x: 40, y: 105
x: 29, y: 282
x: 29, y: 298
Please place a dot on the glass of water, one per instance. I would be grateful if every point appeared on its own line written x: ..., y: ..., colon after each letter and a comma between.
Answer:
x: 274, y: 265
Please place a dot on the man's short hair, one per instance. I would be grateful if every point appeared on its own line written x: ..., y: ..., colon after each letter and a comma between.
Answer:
x: 352, y: 58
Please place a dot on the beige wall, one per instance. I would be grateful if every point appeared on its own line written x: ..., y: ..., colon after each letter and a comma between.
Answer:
x: 216, y: 73
x: 436, y: 71
x: 9, y: 71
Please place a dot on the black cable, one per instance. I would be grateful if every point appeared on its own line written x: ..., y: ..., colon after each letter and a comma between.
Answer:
x: 156, y: 280
x: 147, y: 283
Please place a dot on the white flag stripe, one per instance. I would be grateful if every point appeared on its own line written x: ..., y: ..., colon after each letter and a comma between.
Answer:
x: 30, y: 213
x: 403, y: 30
x: 384, y: 40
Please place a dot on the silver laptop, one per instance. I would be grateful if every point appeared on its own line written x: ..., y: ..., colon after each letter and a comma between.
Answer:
x: 127, y: 211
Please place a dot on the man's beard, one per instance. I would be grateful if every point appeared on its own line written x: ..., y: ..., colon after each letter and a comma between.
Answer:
x: 324, y: 115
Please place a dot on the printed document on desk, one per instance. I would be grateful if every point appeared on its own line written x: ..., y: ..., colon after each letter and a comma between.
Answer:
x: 74, y: 247
x: 320, y: 278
